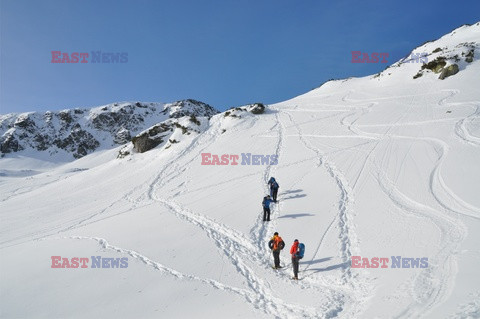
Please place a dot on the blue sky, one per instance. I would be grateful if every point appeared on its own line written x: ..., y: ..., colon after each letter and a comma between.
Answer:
x: 225, y: 53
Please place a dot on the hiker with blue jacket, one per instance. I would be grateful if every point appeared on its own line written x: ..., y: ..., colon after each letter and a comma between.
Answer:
x: 266, y: 208
x: 273, y: 188
x: 297, y: 250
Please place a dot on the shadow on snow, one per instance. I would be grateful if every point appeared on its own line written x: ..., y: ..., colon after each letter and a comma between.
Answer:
x: 296, y: 215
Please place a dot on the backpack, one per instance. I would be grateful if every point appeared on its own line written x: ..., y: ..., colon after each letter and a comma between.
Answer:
x: 266, y: 202
x: 301, y: 250
x: 277, y: 244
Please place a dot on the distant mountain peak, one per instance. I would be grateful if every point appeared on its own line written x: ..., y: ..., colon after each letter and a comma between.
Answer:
x: 82, y: 131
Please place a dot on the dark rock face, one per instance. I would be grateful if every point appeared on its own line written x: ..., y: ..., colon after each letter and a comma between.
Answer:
x: 190, y: 107
x: 79, y: 142
x: 238, y: 112
x: 112, y: 121
x: 193, y: 119
x: 448, y: 71
x: 450, y: 56
x: 82, y: 131
x: 256, y: 108
x: 419, y: 74
x: 9, y: 144
x: 469, y: 56
x: 122, y: 136
x: 144, y: 143
x: 65, y: 117
x: 42, y: 132
x: 151, y: 138
x: 435, y: 65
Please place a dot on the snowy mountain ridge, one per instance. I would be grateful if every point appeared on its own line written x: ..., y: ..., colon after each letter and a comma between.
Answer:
x: 82, y: 131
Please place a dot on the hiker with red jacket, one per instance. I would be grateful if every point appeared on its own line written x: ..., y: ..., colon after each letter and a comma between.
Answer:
x: 297, y: 250
x: 276, y: 244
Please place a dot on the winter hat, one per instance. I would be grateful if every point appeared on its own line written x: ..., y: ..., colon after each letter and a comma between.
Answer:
x: 296, y: 240
x: 275, y: 234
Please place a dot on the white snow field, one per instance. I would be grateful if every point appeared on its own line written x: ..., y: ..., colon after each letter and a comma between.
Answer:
x: 372, y: 167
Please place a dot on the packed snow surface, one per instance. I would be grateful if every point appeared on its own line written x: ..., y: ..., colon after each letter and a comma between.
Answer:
x: 372, y: 167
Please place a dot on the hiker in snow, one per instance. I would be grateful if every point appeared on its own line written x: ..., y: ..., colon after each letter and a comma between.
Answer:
x: 266, y: 208
x: 273, y: 188
x: 297, y: 250
x: 276, y: 244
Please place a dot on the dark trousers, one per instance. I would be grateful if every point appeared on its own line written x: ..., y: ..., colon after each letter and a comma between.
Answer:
x: 274, y: 194
x: 266, y: 214
x: 295, y: 264
x: 276, y: 257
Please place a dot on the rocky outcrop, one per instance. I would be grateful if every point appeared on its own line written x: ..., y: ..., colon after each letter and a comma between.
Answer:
x: 165, y: 134
x: 436, y: 65
x: 151, y: 138
x: 448, y: 71
x: 256, y: 108
x: 78, y: 142
x: 9, y: 144
x: 122, y: 136
x: 434, y: 57
x: 239, y: 112
x: 469, y: 56
x: 190, y: 107
x: 144, y: 143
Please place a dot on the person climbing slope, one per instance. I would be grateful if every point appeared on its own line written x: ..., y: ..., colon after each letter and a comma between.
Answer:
x: 276, y: 244
x: 297, y: 251
x: 266, y: 208
x: 273, y: 188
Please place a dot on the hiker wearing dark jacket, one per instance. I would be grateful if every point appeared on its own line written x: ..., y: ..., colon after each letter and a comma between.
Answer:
x: 276, y: 244
x: 295, y: 258
x: 266, y: 208
x: 273, y: 188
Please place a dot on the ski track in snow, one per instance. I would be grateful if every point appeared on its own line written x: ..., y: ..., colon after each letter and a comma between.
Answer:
x: 261, y: 230
x: 259, y: 236
x: 238, y: 248
x: 318, y: 284
x: 26, y: 189
x: 82, y: 221
x: 347, y: 237
x: 442, y: 101
x: 346, y: 296
x: 434, y: 284
x: 257, y: 296
x: 469, y: 310
x: 462, y: 131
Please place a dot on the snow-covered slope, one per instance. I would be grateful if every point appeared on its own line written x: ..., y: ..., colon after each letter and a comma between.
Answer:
x: 381, y: 166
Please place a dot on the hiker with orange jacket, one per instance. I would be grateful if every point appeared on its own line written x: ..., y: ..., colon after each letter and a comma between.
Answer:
x: 276, y: 244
